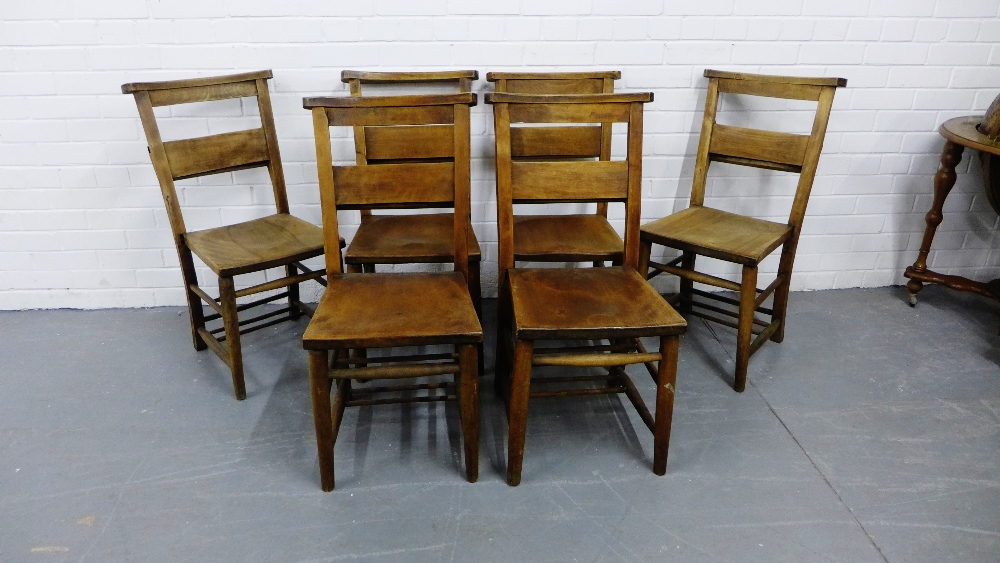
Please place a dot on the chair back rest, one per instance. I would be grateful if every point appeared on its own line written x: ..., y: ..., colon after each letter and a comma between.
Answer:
x: 557, y: 180
x: 444, y: 119
x: 761, y: 148
x: 592, y: 141
x: 214, y: 154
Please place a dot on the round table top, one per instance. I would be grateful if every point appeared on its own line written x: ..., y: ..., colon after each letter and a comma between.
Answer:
x: 962, y: 130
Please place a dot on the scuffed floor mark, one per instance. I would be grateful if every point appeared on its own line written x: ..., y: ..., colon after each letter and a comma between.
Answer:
x: 86, y: 521
x: 50, y: 549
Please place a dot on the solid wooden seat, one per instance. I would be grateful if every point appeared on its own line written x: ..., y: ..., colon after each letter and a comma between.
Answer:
x: 253, y: 245
x: 735, y: 238
x: 570, y: 237
x: 613, y: 304
x: 405, y: 239
x: 719, y: 234
x: 588, y: 303
x: 278, y: 240
x: 566, y: 238
x: 361, y: 311
x: 398, y: 309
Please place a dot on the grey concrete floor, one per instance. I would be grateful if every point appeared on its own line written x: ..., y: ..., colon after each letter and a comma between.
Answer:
x: 872, y: 433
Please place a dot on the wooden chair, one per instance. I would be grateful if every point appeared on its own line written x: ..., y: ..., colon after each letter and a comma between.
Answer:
x: 735, y: 238
x: 551, y: 304
x: 275, y: 241
x: 568, y: 237
x: 384, y: 310
x: 405, y: 239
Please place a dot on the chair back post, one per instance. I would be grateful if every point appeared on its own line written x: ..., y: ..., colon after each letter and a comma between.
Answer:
x: 702, y: 159
x: 274, y: 168
x: 395, y: 185
x: 811, y: 161
x: 327, y: 197
x: 633, y: 203
x: 505, y: 199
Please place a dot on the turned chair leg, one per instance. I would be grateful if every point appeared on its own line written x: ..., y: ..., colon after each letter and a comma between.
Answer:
x: 468, y: 403
x: 780, y: 304
x: 195, y: 309
x: 518, y: 409
x: 231, y: 323
x: 666, y: 379
x: 744, y: 332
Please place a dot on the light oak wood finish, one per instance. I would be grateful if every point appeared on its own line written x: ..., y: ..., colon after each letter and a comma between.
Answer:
x: 701, y: 230
x: 616, y: 303
x: 407, y: 239
x: 362, y: 311
x: 573, y: 237
x: 275, y: 241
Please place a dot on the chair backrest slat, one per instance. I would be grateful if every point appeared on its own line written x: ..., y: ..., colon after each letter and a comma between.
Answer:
x: 758, y: 145
x: 211, y: 93
x: 409, y: 143
x: 579, y: 142
x: 395, y: 185
x: 771, y: 89
x: 568, y: 113
x: 549, y: 182
x: 216, y: 153
x: 414, y: 115
x: 555, y: 86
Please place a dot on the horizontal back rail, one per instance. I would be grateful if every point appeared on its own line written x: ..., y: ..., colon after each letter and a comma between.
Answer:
x: 814, y: 81
x: 199, y: 156
x: 555, y: 86
x: 495, y: 76
x: 427, y: 115
x: 578, y: 141
x: 569, y: 181
x: 409, y: 142
x: 372, y: 77
x: 212, y: 93
x: 569, y: 113
x: 759, y: 145
x: 395, y: 185
x: 771, y: 89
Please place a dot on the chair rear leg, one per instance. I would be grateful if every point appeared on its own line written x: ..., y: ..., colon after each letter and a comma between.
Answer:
x: 196, y: 311
x: 687, y: 262
x: 780, y: 304
x: 748, y: 293
x: 666, y: 380
x: 354, y: 268
x: 501, y: 359
x: 231, y: 322
x: 319, y: 385
x: 293, y: 293
x: 645, y: 249
x: 518, y: 410
x: 468, y: 399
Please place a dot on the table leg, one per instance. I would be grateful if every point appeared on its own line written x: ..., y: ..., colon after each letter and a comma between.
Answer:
x: 944, y: 181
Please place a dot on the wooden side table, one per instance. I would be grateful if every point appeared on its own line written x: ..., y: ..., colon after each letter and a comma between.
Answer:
x: 960, y: 132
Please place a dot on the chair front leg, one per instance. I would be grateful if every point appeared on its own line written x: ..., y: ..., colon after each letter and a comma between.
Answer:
x: 319, y: 386
x: 231, y: 323
x: 666, y: 380
x: 518, y: 410
x: 744, y: 332
x: 468, y: 403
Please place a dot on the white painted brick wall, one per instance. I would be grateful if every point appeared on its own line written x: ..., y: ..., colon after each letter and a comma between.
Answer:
x: 81, y: 219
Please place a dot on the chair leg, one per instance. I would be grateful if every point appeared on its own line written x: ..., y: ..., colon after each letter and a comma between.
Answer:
x: 476, y: 291
x: 666, y: 380
x: 319, y: 385
x: 518, y: 415
x: 231, y: 322
x: 780, y: 304
x: 501, y: 367
x: 293, y: 293
x: 195, y: 309
x: 645, y: 249
x: 369, y: 268
x: 744, y: 332
x: 468, y: 399
x: 687, y: 262
x: 354, y: 268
